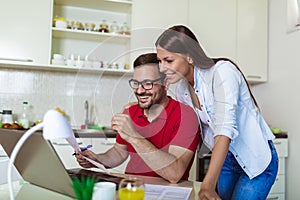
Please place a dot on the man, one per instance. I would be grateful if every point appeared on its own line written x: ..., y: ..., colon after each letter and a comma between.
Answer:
x: 160, y: 134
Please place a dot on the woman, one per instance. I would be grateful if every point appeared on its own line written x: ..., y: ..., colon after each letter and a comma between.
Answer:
x: 244, y: 162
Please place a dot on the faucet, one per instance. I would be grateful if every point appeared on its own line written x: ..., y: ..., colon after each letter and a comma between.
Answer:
x: 86, y: 108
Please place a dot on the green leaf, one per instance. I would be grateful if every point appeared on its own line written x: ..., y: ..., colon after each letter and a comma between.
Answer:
x: 84, y: 188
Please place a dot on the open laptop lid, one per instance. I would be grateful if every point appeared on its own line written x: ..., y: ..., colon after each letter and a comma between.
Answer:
x: 38, y: 162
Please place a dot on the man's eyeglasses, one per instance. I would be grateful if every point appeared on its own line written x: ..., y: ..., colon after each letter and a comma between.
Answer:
x: 146, y: 84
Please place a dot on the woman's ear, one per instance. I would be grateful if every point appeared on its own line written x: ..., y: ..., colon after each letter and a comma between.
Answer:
x: 190, y: 60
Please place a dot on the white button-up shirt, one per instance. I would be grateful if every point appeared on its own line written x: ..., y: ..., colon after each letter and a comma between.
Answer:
x: 227, y: 109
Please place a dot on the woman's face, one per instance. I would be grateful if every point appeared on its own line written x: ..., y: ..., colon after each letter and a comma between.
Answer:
x: 174, y: 65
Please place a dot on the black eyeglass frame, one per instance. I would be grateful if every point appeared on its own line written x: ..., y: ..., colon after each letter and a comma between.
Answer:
x: 143, y: 83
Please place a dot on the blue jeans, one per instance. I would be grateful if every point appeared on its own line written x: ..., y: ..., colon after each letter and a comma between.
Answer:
x: 234, y: 184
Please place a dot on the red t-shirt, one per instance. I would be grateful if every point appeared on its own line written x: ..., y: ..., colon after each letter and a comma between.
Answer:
x: 176, y: 125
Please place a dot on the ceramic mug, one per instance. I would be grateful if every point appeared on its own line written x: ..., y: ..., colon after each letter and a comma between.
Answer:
x: 104, y: 191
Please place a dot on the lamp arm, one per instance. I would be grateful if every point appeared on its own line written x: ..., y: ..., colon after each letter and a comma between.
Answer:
x: 14, y: 155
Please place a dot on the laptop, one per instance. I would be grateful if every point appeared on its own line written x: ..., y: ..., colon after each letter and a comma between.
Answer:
x: 39, y: 164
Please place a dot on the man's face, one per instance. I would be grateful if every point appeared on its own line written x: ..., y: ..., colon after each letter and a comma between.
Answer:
x: 147, y: 98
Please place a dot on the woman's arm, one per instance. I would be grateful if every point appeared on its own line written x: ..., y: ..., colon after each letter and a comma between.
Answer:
x: 219, y: 152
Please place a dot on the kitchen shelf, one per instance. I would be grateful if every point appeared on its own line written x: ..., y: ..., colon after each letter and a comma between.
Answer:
x: 81, y: 42
x: 111, y: 5
x: 63, y: 68
x: 89, y: 35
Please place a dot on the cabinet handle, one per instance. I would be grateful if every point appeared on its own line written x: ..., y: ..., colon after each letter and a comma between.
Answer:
x: 277, y: 142
x: 272, y: 198
x: 254, y: 76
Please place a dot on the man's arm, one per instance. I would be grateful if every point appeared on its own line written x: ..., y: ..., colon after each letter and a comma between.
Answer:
x: 111, y: 158
x: 170, y: 165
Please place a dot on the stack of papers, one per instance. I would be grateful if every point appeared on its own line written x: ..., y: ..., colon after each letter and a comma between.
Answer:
x: 162, y: 192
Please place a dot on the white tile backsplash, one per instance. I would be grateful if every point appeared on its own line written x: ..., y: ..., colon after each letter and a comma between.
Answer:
x: 46, y: 90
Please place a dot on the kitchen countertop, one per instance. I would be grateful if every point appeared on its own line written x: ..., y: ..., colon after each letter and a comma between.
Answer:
x: 82, y: 133
x: 281, y: 135
x: 109, y: 133
x: 92, y: 133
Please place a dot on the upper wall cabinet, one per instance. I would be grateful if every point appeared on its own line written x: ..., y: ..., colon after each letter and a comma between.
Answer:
x: 214, y: 23
x: 252, y: 39
x: 25, y: 31
x: 93, y: 31
x: 151, y: 18
x: 237, y: 29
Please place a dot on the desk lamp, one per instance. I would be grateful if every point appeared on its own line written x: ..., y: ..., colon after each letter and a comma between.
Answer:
x: 54, y: 126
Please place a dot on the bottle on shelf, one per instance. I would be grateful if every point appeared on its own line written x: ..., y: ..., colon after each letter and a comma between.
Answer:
x: 7, y: 117
x: 24, y: 119
x: 114, y: 28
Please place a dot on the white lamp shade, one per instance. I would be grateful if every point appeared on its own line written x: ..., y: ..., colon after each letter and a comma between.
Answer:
x: 56, y: 126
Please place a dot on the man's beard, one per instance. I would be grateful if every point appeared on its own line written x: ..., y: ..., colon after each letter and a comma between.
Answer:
x: 145, y: 105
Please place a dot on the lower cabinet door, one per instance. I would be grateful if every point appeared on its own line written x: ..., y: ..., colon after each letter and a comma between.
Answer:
x: 279, y: 186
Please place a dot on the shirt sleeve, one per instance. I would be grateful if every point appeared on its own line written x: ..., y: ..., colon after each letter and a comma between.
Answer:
x: 187, y: 129
x: 226, y: 82
x: 119, y: 139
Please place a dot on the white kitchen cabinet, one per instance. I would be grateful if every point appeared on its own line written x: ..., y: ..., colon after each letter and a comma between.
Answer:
x: 4, y: 160
x: 278, y: 190
x: 252, y: 39
x: 100, y: 46
x: 24, y: 31
x: 193, y: 170
x: 214, y: 24
x: 159, y: 14
x: 151, y: 18
x: 237, y: 29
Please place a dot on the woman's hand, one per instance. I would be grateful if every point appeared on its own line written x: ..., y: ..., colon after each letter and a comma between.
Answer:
x: 208, y: 193
x: 82, y: 161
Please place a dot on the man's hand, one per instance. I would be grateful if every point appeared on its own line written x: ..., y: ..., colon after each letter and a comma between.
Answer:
x: 122, y: 123
x: 82, y: 161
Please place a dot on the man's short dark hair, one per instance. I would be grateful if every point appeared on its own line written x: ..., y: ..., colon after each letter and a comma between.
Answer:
x: 148, y: 59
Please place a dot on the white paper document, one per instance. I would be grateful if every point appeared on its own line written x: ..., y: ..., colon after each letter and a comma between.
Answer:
x: 73, y: 142
x: 163, y: 192
x: 99, y: 165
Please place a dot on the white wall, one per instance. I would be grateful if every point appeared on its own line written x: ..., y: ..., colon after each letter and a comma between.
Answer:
x: 280, y: 98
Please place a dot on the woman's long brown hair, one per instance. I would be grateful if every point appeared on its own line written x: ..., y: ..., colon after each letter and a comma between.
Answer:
x: 180, y: 39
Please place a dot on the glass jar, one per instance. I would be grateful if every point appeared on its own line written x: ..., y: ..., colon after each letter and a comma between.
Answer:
x: 89, y: 26
x: 124, y: 29
x: 103, y: 27
x: 7, y: 117
x: 114, y: 28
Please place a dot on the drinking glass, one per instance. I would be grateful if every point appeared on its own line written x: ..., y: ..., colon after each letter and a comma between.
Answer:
x: 131, y: 188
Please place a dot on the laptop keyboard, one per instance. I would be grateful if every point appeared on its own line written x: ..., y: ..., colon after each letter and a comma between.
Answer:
x: 98, y: 176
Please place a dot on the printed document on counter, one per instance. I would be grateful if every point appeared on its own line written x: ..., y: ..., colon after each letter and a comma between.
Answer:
x: 164, y: 192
